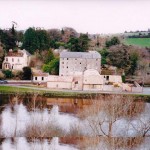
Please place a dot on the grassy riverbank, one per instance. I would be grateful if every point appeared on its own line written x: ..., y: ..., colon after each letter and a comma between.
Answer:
x: 74, y: 94
x: 22, y: 90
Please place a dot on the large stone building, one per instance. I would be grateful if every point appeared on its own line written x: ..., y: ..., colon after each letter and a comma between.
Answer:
x: 72, y: 62
x: 82, y: 71
x: 16, y: 60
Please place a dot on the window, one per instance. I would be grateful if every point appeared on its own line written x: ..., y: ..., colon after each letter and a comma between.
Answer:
x: 42, y: 78
x: 6, y: 65
x: 76, y: 82
x: 6, y: 59
x: 67, y: 58
x: 12, y: 60
x: 18, y: 59
x: 62, y: 62
x: 80, y: 62
x: 107, y: 78
x: 67, y: 66
x: 35, y: 78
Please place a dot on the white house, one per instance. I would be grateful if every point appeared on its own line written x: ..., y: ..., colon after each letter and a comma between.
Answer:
x: 40, y: 77
x: 16, y: 60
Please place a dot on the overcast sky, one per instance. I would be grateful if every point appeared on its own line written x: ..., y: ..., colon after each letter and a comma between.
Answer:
x: 92, y: 16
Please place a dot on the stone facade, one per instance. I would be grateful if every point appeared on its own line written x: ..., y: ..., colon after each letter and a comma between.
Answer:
x: 72, y: 62
x: 16, y: 60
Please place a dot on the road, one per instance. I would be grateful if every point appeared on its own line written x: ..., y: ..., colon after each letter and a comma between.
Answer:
x: 146, y: 90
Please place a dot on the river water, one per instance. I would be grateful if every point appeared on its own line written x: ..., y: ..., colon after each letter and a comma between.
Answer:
x: 41, y: 122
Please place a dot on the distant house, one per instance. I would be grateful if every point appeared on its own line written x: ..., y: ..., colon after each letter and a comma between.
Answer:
x: 40, y: 77
x: 72, y: 62
x: 16, y: 60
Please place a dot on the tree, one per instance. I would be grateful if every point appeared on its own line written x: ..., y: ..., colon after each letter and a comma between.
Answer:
x: 134, y: 57
x: 73, y: 45
x: 80, y: 44
x: 113, y: 41
x: 84, y: 42
x: 52, y: 67
x: 68, y: 33
x: 48, y: 56
x: 7, y: 39
x: 119, y: 56
x: 35, y: 40
x: 27, y: 73
x: 30, y: 40
x: 43, y: 40
x: 2, y: 54
x: 104, y: 53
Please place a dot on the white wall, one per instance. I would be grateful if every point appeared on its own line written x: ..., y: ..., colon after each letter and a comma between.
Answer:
x: 59, y: 85
x: 39, y: 78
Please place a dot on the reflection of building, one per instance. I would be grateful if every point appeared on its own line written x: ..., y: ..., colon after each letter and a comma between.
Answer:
x: 16, y: 60
x: 72, y: 62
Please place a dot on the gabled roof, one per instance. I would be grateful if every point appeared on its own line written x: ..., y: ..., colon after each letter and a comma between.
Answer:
x: 40, y: 73
x: 90, y: 54
x: 26, y: 52
x: 18, y: 53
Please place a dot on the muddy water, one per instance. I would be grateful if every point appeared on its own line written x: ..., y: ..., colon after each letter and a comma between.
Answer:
x: 66, y: 105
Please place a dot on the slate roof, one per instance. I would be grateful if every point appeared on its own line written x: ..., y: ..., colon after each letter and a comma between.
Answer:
x: 90, y: 54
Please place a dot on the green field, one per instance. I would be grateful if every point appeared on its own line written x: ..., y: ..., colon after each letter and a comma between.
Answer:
x: 142, y: 42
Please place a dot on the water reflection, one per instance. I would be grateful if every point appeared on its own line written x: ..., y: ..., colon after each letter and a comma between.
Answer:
x: 21, y: 122
x: 23, y: 144
x: 122, y: 122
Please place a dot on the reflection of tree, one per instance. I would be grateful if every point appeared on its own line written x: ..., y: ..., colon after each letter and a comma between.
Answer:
x: 104, y: 115
x: 119, y: 122
x: 114, y: 143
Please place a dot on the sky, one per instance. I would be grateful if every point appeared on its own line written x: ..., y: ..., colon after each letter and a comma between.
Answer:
x: 92, y: 16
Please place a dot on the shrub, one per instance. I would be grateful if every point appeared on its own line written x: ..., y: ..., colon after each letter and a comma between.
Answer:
x: 2, y: 76
x: 123, y: 78
x: 8, y: 73
x: 27, y: 73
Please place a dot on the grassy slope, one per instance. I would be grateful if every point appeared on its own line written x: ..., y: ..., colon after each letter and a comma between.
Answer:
x: 143, y: 42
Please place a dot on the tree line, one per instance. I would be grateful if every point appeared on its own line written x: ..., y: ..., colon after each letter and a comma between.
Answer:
x: 40, y: 43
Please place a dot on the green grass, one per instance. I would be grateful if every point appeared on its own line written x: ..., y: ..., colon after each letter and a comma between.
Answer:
x: 142, y: 42
x: 22, y: 90
x: 65, y: 94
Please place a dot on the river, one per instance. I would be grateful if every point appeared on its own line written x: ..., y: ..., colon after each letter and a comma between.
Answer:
x: 74, y: 123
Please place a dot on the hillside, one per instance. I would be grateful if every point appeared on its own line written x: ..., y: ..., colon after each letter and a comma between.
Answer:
x: 142, y: 42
